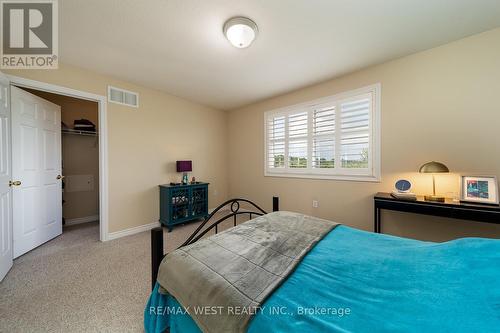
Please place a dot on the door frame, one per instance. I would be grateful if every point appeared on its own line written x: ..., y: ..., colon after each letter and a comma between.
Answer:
x: 103, y: 139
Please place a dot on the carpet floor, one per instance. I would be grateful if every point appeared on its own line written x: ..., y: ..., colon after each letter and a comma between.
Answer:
x: 75, y: 283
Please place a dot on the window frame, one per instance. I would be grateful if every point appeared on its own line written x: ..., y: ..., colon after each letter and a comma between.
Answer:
x: 370, y: 174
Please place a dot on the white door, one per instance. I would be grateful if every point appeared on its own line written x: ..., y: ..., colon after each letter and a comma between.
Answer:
x: 36, y: 163
x: 5, y: 178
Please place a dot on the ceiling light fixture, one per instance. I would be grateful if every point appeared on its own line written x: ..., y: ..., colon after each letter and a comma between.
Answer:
x: 240, y: 31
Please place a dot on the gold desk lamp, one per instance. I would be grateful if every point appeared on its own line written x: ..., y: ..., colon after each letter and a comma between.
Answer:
x: 434, y: 167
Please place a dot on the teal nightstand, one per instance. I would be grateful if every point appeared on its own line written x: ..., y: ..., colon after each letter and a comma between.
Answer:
x: 183, y: 203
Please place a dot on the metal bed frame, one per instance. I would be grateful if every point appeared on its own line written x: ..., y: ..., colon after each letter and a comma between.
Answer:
x: 233, y: 211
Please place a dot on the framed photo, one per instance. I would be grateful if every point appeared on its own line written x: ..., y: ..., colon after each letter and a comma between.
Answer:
x: 479, y: 189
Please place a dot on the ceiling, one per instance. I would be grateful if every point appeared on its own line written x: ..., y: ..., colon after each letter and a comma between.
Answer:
x: 177, y: 46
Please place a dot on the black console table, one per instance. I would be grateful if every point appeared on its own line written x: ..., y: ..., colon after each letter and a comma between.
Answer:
x: 449, y: 208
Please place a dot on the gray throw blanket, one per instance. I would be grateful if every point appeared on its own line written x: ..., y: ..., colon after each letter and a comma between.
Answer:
x: 222, y: 280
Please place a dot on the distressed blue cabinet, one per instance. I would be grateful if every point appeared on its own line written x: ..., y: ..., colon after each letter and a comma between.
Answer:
x: 183, y: 203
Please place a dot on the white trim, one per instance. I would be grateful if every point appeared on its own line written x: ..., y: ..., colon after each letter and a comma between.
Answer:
x: 358, y: 178
x: 132, y: 231
x: 103, y: 139
x: 48, y: 87
x: 370, y: 174
x: 80, y: 220
x: 377, y: 124
x: 136, y: 94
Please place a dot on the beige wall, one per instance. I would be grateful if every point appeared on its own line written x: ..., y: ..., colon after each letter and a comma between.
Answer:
x: 441, y: 104
x: 145, y: 142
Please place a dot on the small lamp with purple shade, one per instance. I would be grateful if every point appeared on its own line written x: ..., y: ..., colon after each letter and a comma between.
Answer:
x: 184, y: 167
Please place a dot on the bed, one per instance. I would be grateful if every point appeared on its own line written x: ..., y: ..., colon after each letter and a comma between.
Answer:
x: 343, y: 280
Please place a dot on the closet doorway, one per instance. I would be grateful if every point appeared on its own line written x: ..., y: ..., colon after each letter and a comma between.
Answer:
x: 78, y: 158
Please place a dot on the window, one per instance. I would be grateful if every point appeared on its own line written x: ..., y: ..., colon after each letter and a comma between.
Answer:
x: 331, y: 138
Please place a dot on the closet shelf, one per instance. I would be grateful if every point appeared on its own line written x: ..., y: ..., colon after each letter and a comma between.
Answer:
x: 78, y: 132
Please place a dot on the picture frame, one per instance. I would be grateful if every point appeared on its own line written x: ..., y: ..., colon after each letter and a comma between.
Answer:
x: 479, y: 189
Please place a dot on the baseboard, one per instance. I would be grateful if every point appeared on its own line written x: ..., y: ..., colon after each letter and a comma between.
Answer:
x: 132, y: 231
x: 80, y: 220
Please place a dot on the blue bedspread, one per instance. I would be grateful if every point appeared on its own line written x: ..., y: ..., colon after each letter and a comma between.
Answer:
x: 357, y: 281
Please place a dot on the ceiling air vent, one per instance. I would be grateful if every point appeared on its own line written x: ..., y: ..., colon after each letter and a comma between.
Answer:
x: 123, y: 97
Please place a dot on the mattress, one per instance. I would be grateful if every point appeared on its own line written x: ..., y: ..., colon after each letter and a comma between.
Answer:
x: 357, y: 281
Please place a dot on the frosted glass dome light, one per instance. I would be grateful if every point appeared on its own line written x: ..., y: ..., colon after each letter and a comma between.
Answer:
x: 240, y: 31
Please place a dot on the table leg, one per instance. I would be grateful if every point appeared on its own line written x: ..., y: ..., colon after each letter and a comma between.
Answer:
x: 377, y: 222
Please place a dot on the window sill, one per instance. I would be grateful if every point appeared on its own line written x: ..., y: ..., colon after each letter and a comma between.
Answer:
x: 355, y: 178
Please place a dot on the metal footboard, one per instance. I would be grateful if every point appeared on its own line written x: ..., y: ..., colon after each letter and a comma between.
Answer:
x: 234, y: 209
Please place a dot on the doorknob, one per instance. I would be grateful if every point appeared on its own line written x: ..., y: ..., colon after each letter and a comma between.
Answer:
x: 59, y: 177
x: 14, y: 183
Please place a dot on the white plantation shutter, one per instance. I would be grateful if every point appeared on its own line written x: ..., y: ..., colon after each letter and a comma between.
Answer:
x: 297, y: 140
x: 323, y: 150
x: 276, y: 142
x: 336, y: 137
x: 355, y: 132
